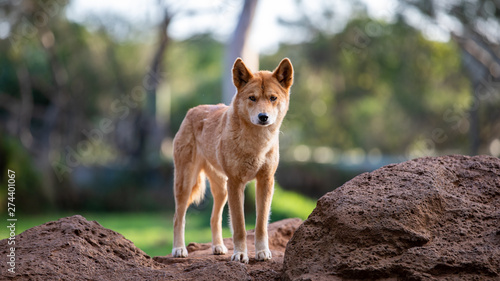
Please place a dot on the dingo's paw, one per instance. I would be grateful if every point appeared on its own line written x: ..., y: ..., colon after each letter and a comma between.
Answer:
x: 263, y: 255
x: 219, y: 249
x: 180, y: 252
x: 240, y: 256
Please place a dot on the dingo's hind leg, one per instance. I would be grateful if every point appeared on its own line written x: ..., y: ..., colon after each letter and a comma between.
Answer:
x: 189, y: 187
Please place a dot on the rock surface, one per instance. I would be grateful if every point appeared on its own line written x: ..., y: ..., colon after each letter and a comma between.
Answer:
x: 76, y: 249
x: 425, y: 219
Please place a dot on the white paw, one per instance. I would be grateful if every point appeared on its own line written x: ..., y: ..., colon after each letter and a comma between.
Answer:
x: 180, y: 252
x: 263, y: 255
x: 219, y: 249
x: 240, y: 256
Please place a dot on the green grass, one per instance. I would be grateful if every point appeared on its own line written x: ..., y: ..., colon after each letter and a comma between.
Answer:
x: 153, y: 232
x: 286, y: 204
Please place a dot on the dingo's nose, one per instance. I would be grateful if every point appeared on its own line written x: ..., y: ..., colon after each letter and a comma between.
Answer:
x: 263, y: 117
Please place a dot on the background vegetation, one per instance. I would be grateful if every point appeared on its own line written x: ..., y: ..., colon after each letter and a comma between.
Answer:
x: 88, y: 109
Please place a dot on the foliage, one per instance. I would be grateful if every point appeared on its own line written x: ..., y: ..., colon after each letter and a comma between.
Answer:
x: 370, y: 86
x: 194, y: 75
x: 374, y: 85
x: 27, y: 192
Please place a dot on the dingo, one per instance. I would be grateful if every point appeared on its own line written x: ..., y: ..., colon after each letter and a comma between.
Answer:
x: 232, y: 145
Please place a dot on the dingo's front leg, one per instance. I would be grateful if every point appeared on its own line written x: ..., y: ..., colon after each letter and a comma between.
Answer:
x: 219, y: 192
x: 236, y: 210
x: 263, y: 198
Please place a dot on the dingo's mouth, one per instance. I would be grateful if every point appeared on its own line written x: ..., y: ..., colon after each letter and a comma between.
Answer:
x: 262, y: 119
x: 264, y: 124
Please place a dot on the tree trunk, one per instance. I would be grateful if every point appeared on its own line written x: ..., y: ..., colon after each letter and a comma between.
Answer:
x: 477, y: 73
x: 474, y: 132
x: 154, y: 127
x: 238, y: 47
x: 24, y: 124
x: 52, y: 124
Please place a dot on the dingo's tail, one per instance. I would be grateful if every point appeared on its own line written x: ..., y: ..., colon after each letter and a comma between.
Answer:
x: 189, y: 178
x: 189, y: 182
x: 198, y: 190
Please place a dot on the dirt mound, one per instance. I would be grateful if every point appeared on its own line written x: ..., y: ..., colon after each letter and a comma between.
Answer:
x: 76, y: 249
x: 426, y: 219
x: 202, y: 265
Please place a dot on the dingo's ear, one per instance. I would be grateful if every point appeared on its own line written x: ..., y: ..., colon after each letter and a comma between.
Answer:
x: 284, y: 73
x: 241, y: 74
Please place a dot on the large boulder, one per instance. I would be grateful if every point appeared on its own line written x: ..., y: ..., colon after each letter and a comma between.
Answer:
x: 425, y: 219
x: 73, y: 248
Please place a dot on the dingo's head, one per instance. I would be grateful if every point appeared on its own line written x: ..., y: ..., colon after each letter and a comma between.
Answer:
x: 263, y: 96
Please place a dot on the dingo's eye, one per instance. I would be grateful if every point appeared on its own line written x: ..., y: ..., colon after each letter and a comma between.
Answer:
x: 273, y: 98
x: 252, y: 98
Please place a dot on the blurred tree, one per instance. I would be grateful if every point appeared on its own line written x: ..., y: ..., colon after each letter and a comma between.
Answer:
x: 475, y: 29
x: 56, y: 84
x: 156, y: 127
x: 202, y: 57
x: 375, y: 86
x: 78, y: 96
x: 34, y: 79
x: 238, y: 47
x: 450, y: 122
